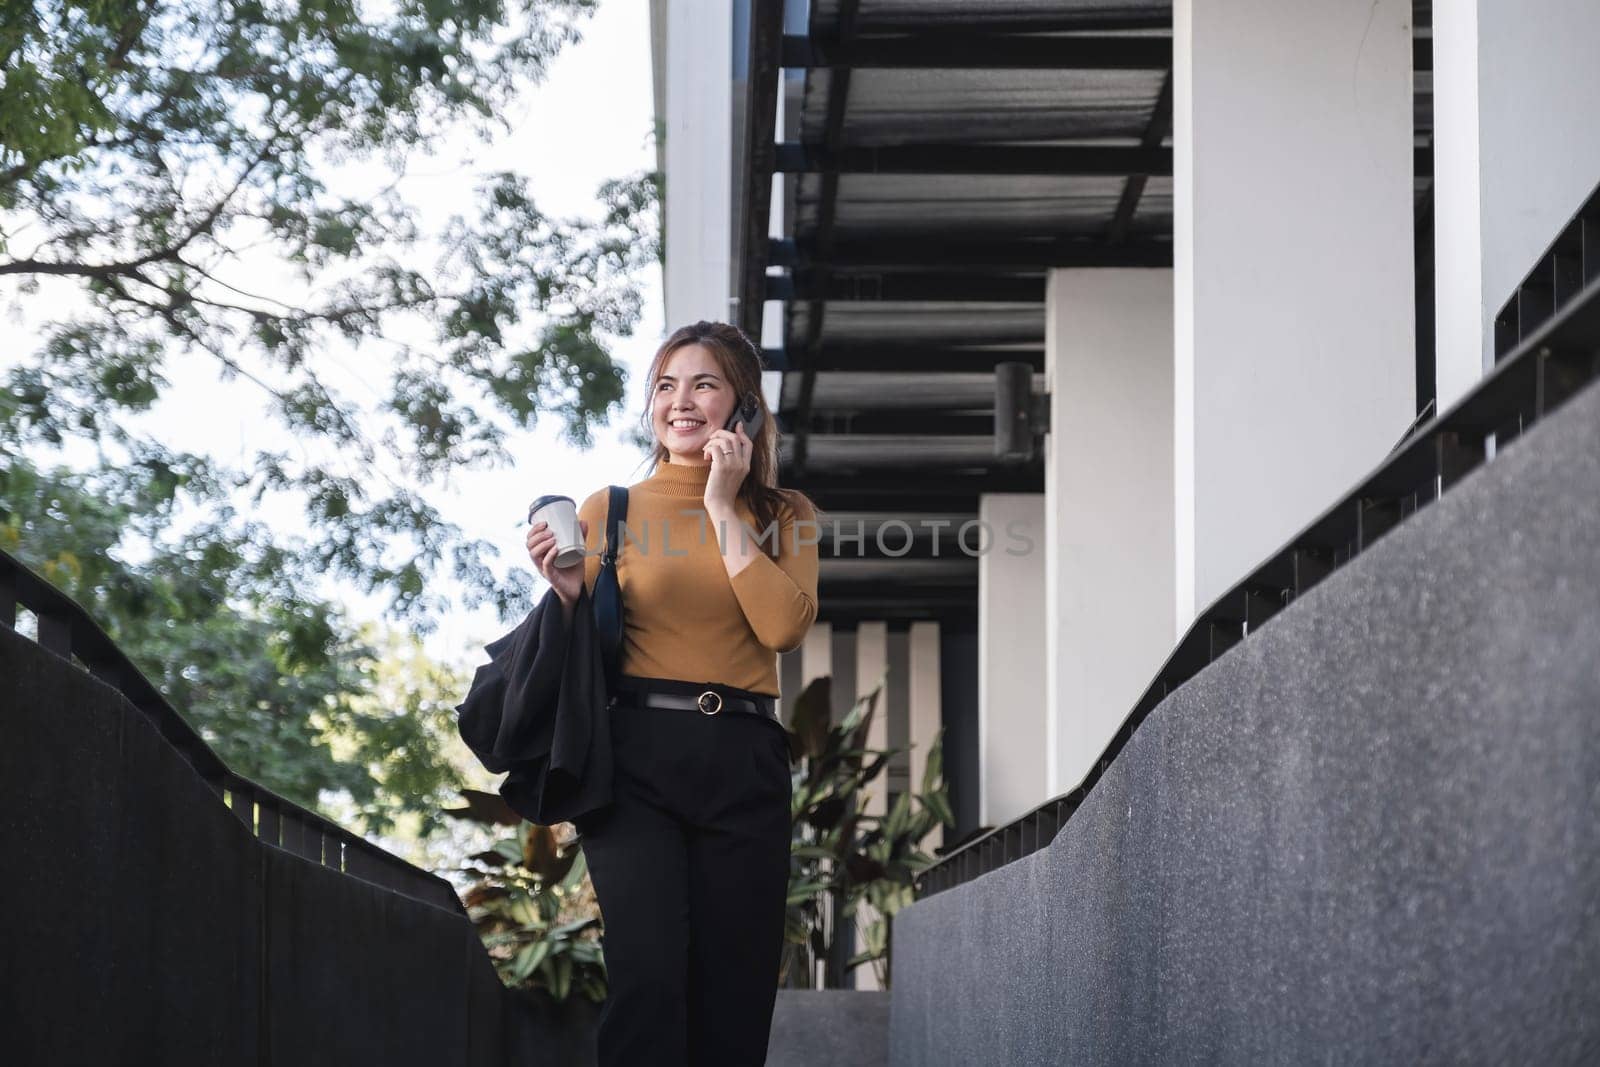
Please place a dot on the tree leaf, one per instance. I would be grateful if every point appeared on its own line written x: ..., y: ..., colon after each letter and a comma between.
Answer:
x: 485, y: 807
x: 809, y: 719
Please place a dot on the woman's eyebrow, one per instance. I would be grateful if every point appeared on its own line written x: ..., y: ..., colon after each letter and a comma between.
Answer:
x: 670, y: 378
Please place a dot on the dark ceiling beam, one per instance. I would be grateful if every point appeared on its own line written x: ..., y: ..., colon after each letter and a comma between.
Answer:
x: 862, y: 419
x: 1057, y: 161
x: 918, y: 550
x: 1133, y: 189
x: 857, y: 602
x: 1005, y: 254
x: 923, y: 359
x: 1149, y: 160
x: 969, y: 50
x: 973, y: 18
x: 891, y: 537
x: 849, y: 611
x: 954, y: 571
x: 992, y: 47
x: 836, y: 497
x: 823, y: 284
x: 760, y: 136
x: 844, y: 34
x: 914, y: 491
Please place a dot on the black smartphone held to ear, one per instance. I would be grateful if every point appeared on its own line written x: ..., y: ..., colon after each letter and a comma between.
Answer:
x: 748, y: 412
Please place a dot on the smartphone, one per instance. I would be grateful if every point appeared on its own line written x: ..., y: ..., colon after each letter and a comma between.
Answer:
x: 748, y: 412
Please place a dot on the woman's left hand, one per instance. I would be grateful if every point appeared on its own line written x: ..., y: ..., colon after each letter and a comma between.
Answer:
x: 729, y: 453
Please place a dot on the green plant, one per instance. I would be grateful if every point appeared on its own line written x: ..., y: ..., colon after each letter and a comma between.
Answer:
x: 533, y: 904
x: 842, y: 856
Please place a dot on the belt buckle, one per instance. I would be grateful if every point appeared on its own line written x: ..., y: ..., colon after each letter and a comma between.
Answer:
x: 714, y: 695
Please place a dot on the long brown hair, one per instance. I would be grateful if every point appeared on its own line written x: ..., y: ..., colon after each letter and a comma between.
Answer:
x: 742, y: 363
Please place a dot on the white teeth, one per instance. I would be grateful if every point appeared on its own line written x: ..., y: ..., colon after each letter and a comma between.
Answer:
x: 683, y: 424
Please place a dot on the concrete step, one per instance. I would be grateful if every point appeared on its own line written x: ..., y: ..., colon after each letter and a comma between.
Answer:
x: 829, y: 1028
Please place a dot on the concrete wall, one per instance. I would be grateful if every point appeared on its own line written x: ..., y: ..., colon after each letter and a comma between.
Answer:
x: 1517, y: 151
x: 1011, y: 655
x: 145, y: 923
x: 1539, y: 80
x: 699, y: 161
x: 829, y: 1028
x: 1293, y: 281
x: 1108, y: 480
x: 1370, y: 832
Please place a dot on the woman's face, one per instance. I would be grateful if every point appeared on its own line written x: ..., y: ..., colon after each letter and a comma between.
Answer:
x: 691, y: 399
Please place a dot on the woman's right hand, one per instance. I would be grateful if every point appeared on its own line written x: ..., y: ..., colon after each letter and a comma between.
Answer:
x: 567, y: 581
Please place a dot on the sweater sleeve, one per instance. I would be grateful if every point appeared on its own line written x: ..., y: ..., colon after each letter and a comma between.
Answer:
x: 593, y: 511
x: 779, y: 597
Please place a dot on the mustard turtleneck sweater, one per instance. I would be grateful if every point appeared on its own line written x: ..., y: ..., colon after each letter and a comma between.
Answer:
x: 683, y: 616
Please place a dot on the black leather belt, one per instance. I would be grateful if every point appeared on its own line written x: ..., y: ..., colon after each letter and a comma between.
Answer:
x: 706, y: 698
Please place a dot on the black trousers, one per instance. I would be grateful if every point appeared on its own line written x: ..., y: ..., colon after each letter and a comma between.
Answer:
x: 691, y: 868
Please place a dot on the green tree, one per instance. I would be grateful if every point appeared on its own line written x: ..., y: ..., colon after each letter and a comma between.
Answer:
x: 216, y: 614
x: 158, y: 152
x: 170, y: 160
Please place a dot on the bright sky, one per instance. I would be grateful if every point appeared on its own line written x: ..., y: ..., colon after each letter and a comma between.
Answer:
x: 588, y: 122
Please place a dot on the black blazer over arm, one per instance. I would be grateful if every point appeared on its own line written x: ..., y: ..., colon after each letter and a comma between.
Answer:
x: 538, y: 710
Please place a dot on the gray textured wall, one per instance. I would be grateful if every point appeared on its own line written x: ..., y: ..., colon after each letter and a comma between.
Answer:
x: 1367, y: 834
x: 141, y: 923
x: 829, y: 1028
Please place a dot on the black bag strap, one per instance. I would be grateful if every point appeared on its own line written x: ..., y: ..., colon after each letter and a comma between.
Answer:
x: 616, y: 514
x: 607, y: 590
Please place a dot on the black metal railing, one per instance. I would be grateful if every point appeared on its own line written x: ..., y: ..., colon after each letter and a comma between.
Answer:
x: 1568, y: 266
x: 66, y: 629
x: 1553, y: 327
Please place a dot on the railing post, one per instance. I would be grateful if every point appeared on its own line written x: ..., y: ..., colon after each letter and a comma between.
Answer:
x: 269, y: 826
x: 1455, y: 457
x: 1374, y: 518
x: 55, y: 633
x: 1260, y: 604
x: 1310, y: 567
x: 241, y: 803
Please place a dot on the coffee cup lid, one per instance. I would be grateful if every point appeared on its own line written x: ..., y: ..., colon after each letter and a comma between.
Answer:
x: 548, y: 498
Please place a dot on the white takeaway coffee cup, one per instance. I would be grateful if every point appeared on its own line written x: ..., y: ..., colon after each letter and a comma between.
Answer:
x: 562, y: 515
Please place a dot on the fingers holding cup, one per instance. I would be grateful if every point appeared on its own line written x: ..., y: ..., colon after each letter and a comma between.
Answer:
x: 540, y: 541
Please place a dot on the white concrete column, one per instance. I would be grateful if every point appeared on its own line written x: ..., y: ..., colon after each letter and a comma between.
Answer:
x: 872, y: 669
x: 1011, y: 654
x: 926, y: 711
x: 1109, y: 518
x: 1458, y: 310
x: 816, y: 655
x: 1540, y: 143
x: 1293, y: 279
x: 699, y: 161
x: 872, y: 665
x: 791, y: 668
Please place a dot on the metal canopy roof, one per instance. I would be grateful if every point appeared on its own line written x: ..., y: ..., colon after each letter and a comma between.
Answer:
x: 941, y: 156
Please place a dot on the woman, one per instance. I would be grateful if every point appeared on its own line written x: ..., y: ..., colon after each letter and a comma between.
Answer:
x: 718, y: 571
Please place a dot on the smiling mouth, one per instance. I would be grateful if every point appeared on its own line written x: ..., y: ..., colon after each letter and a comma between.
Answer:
x: 684, y: 429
